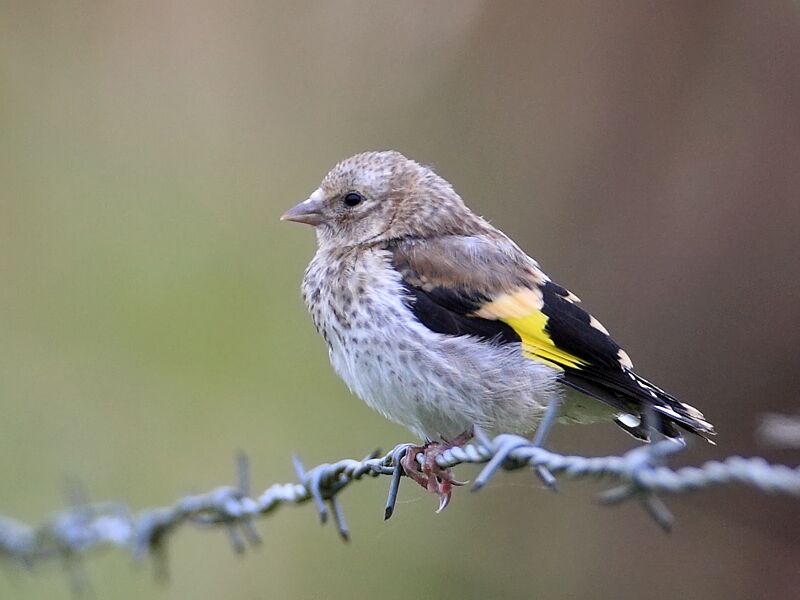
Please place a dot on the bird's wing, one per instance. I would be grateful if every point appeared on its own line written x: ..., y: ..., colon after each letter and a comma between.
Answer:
x: 489, y: 288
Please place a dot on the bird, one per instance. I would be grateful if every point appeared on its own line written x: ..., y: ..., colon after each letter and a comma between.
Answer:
x: 439, y: 321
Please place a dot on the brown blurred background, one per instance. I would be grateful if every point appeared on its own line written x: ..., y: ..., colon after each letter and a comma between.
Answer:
x: 647, y: 153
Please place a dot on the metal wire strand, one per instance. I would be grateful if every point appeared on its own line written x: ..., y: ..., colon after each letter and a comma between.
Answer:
x: 640, y: 474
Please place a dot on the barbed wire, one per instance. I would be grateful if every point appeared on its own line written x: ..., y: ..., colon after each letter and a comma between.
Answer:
x: 641, y: 474
x: 781, y: 431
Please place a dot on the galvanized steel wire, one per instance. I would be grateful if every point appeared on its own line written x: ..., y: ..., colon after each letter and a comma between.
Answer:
x: 640, y: 474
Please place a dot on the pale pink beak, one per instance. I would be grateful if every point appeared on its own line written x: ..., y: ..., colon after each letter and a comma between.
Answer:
x: 308, y: 212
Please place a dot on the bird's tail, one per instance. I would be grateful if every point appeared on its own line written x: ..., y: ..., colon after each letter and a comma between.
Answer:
x: 637, y: 399
x: 673, y: 414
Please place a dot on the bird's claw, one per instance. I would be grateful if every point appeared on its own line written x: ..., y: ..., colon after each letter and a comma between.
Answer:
x: 428, y: 473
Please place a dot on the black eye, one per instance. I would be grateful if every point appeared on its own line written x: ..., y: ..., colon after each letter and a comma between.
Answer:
x: 353, y: 199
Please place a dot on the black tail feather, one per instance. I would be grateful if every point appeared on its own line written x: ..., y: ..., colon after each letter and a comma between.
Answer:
x: 631, y: 394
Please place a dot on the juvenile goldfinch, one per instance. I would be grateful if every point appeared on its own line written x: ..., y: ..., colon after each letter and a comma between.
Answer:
x: 441, y: 323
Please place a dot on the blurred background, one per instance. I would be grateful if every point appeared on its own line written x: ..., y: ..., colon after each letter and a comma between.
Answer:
x: 647, y: 153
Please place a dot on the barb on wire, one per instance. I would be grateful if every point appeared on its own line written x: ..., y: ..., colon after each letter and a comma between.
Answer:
x: 781, y: 431
x: 641, y: 474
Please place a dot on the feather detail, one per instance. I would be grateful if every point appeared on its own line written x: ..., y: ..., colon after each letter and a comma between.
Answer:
x: 522, y: 311
x: 462, y: 285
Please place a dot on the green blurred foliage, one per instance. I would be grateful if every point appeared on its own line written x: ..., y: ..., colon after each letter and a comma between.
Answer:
x: 150, y: 322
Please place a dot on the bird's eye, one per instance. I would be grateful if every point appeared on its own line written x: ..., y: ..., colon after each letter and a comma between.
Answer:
x: 353, y: 199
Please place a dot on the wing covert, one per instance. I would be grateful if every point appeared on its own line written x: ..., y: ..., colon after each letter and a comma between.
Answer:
x: 489, y: 288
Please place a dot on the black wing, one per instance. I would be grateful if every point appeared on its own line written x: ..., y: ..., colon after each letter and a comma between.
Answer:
x: 457, y: 305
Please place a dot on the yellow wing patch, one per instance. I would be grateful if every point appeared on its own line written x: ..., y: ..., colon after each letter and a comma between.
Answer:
x: 522, y: 311
x: 516, y: 305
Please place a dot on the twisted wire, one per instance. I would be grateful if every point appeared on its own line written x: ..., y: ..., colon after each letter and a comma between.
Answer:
x: 641, y: 473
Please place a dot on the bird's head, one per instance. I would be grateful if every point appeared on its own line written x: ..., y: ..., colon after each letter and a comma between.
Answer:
x: 380, y: 196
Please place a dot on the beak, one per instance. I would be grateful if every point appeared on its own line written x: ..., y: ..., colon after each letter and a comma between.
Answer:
x: 308, y: 211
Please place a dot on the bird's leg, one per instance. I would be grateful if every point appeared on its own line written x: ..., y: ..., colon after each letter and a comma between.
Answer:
x: 540, y: 437
x: 429, y: 474
x: 461, y: 438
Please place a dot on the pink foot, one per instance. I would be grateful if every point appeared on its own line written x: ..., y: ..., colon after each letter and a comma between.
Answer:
x: 429, y: 474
